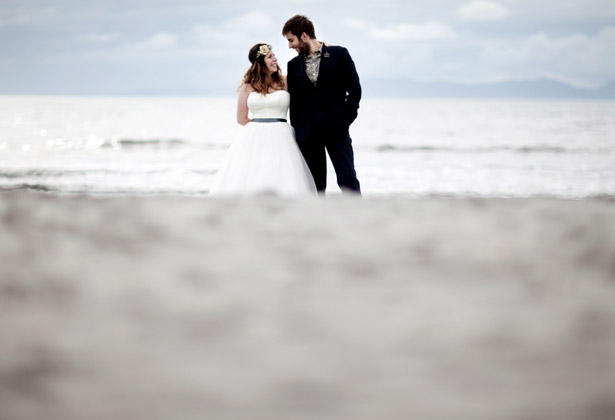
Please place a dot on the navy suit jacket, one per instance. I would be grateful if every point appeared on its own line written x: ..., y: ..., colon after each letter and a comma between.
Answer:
x: 331, y: 105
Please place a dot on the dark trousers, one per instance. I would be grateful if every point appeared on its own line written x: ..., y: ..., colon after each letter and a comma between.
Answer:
x: 341, y: 155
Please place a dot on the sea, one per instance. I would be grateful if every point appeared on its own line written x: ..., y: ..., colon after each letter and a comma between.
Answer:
x: 120, y: 145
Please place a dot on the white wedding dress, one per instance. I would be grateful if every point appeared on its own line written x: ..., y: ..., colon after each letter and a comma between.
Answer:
x: 266, y: 159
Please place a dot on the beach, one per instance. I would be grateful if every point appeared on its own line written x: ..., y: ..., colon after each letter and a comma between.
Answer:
x: 176, y: 307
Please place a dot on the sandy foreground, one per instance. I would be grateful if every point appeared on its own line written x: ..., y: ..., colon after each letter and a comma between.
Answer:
x: 264, y: 308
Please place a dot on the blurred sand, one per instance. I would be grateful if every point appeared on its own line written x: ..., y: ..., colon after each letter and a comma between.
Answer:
x: 381, y: 308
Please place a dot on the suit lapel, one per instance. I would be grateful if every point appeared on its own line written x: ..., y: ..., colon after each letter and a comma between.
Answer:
x: 302, y: 78
x: 324, y: 64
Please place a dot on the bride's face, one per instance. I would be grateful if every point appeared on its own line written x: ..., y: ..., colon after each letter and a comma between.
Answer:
x: 271, y: 62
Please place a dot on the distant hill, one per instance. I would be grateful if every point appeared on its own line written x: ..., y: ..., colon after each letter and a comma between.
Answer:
x: 381, y: 88
x: 405, y: 88
x: 542, y: 88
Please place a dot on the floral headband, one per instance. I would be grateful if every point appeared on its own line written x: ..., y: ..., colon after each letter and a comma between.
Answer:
x: 263, y: 50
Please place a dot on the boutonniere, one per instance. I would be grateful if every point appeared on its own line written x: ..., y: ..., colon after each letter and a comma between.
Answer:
x: 326, y: 55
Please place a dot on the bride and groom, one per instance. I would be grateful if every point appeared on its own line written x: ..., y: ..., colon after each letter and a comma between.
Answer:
x: 322, y: 90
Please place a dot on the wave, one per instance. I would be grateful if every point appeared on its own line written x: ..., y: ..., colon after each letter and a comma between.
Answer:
x: 135, y: 192
x: 54, y: 173
x: 145, y: 142
x: 479, y: 149
x: 158, y: 143
x: 100, y: 191
x: 29, y: 187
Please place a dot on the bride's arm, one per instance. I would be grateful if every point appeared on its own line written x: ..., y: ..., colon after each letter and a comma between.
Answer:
x: 242, y: 104
x: 285, y: 80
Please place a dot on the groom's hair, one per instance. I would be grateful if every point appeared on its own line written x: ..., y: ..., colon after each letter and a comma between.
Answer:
x: 299, y: 24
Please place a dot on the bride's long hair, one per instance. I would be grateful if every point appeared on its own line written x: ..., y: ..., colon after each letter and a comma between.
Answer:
x: 257, y: 75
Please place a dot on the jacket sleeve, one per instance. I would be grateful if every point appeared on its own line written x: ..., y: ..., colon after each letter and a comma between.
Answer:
x: 352, y: 87
x: 289, y: 78
x: 290, y: 81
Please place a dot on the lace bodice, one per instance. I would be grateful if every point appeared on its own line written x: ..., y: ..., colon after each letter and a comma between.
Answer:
x: 272, y: 105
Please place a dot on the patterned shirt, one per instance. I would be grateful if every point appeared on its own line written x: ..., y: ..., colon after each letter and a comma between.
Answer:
x: 312, y: 65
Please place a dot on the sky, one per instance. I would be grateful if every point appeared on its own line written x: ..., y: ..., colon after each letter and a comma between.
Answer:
x: 190, y: 46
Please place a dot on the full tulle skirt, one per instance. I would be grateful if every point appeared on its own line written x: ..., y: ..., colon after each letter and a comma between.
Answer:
x: 265, y: 160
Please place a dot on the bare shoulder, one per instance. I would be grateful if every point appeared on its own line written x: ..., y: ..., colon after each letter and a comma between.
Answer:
x: 245, y: 88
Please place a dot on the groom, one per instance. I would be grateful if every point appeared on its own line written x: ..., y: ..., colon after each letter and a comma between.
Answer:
x: 324, y: 98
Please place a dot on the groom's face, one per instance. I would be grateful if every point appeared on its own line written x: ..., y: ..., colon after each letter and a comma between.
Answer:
x: 297, y: 44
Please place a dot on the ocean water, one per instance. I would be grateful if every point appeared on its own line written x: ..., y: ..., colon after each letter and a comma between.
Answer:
x: 174, y: 145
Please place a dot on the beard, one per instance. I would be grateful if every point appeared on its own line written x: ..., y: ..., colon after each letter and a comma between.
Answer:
x: 304, y: 47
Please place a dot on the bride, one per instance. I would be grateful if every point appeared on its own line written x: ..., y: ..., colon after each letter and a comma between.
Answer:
x: 266, y: 159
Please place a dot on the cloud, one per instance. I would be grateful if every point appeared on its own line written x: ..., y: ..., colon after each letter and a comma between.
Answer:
x: 97, y: 38
x: 447, y: 40
x: 25, y: 17
x: 237, y: 30
x: 483, y: 10
x: 161, y: 45
x: 159, y: 41
x: 221, y: 39
x: 403, y: 31
x: 578, y: 59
